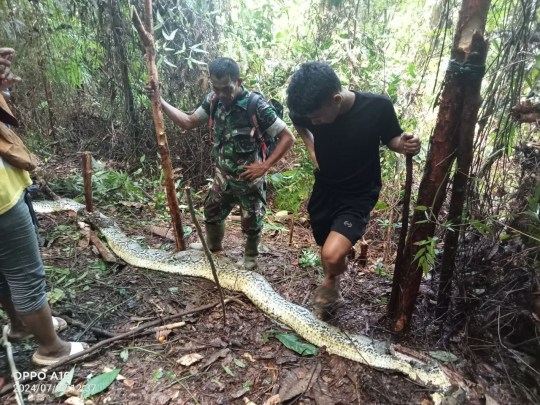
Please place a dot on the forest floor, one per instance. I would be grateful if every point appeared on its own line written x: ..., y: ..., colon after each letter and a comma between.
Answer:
x: 242, y: 360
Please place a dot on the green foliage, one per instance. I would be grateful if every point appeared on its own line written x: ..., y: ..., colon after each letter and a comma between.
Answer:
x: 381, y: 271
x: 64, y: 283
x: 108, y: 186
x: 534, y: 200
x: 292, y: 342
x: 62, y: 386
x: 445, y: 357
x: 99, y: 383
x: 427, y: 253
x: 309, y: 259
x: 292, y: 187
x: 385, y: 223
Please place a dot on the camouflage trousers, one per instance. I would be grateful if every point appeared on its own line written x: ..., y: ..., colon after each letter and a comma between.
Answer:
x: 226, y: 193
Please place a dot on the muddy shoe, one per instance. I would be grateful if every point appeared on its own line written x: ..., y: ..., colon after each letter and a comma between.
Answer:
x: 325, y: 302
x: 198, y: 246
x: 250, y: 263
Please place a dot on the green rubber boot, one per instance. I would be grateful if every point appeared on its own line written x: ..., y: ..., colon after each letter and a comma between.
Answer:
x: 252, y: 251
x: 214, y: 236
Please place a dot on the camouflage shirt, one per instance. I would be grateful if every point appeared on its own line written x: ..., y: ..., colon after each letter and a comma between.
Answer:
x: 233, y: 145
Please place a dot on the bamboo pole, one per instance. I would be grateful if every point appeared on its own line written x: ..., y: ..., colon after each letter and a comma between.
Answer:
x: 146, y: 33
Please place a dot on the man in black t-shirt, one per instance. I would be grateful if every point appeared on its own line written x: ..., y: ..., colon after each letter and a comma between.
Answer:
x: 342, y: 130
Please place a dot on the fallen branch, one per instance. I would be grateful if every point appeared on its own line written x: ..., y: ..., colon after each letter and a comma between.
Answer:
x: 104, y: 252
x: 82, y: 325
x: 169, y: 326
x: 160, y: 231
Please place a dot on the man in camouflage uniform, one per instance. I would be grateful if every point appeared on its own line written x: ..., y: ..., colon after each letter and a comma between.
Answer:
x: 240, y: 167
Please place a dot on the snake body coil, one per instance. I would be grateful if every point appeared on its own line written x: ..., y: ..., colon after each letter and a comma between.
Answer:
x: 193, y: 263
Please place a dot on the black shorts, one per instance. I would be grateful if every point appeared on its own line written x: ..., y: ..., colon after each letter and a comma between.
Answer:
x: 346, y: 214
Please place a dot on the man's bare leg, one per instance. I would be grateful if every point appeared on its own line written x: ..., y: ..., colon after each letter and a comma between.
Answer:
x: 17, y: 328
x: 334, y: 262
x: 334, y: 259
x: 40, y: 324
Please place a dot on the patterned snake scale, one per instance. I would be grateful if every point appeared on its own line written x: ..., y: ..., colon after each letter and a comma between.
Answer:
x: 254, y: 286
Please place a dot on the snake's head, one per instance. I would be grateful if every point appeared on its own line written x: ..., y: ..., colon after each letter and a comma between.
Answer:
x: 94, y: 218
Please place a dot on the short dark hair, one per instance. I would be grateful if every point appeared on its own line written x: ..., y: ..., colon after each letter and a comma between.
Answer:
x: 222, y: 67
x: 311, y: 86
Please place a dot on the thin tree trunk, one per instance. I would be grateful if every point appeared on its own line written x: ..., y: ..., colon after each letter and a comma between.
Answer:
x: 471, y: 105
x: 445, y: 142
x: 48, y: 97
x: 146, y: 33
x: 119, y: 38
x: 404, y: 217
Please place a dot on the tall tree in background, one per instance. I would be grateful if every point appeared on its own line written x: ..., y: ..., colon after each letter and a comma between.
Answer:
x: 119, y: 36
x: 452, y: 140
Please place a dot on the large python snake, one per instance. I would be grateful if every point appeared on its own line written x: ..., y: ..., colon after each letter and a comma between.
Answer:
x: 254, y: 286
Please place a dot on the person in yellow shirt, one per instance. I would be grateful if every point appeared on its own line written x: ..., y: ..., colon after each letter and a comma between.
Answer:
x: 22, y: 276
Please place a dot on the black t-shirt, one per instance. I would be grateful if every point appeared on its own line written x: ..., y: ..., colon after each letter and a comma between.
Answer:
x: 348, y: 149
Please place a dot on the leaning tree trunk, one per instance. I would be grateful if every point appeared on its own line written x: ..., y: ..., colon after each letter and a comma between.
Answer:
x: 458, y: 101
x: 146, y: 34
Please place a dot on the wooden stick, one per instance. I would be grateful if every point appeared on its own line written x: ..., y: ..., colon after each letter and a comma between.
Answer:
x: 82, y: 325
x: 104, y: 252
x: 362, y: 257
x: 169, y: 326
x: 292, y: 229
x: 206, y: 250
x: 87, y: 177
x: 146, y: 33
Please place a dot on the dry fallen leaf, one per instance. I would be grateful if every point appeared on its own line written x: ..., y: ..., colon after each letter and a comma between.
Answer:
x: 491, y: 401
x: 219, y: 354
x: 298, y: 381
x: 249, y: 357
x: 71, y: 391
x: 129, y: 383
x: 163, y: 332
x: 189, y: 359
x: 247, y: 401
x: 237, y: 394
x: 119, y: 377
x: 74, y: 401
x: 273, y: 400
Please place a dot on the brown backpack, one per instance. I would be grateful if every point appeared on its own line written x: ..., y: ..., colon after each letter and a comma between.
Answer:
x: 12, y: 148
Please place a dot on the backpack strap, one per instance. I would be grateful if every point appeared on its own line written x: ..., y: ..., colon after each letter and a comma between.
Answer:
x: 213, y: 109
x: 252, y: 113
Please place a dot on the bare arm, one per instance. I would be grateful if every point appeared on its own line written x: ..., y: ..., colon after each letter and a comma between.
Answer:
x: 407, y: 144
x: 258, y: 169
x: 180, y: 118
x: 307, y: 137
